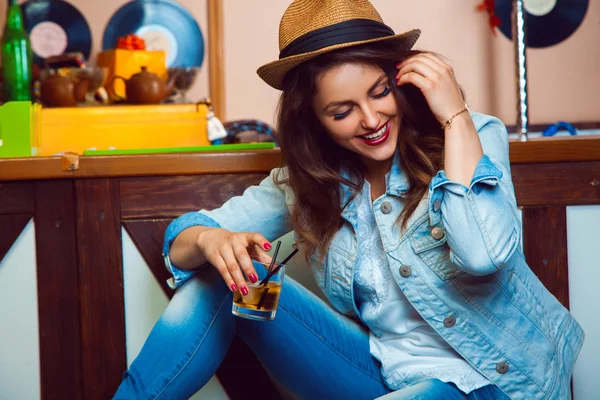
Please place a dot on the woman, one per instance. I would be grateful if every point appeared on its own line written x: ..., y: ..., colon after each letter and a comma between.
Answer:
x: 402, y: 203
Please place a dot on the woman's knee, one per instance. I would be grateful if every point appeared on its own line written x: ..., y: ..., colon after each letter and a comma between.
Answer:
x: 204, y: 294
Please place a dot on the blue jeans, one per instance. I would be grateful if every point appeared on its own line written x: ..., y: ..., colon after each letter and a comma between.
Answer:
x: 309, y: 349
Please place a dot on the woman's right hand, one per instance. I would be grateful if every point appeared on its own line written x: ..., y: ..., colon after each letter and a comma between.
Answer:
x: 231, y: 253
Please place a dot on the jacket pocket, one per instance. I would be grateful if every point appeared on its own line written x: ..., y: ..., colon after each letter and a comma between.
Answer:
x: 430, y: 244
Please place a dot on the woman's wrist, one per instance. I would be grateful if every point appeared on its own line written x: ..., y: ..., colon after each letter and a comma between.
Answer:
x: 185, y: 251
x: 447, y: 123
x: 462, y: 149
x: 462, y: 123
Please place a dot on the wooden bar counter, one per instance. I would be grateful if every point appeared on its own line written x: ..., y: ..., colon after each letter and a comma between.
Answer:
x: 79, y: 210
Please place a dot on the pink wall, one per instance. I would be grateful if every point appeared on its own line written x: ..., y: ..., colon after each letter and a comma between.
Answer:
x: 564, y: 80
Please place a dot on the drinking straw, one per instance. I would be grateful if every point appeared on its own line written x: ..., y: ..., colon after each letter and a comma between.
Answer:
x: 281, y: 264
x: 270, y: 274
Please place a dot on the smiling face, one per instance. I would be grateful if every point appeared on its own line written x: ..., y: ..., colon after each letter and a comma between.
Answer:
x: 356, y: 105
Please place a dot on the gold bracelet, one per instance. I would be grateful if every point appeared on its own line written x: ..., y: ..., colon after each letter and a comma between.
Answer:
x: 448, y: 123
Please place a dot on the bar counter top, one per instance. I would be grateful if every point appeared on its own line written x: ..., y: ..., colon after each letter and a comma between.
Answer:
x: 538, y: 150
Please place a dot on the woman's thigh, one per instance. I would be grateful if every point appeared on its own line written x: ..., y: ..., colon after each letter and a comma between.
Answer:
x: 186, y: 345
x: 434, y: 389
x: 309, y: 349
x: 313, y: 351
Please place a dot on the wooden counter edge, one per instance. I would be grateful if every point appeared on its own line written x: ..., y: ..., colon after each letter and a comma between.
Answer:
x: 555, y: 149
x: 142, y: 165
x: 539, y: 150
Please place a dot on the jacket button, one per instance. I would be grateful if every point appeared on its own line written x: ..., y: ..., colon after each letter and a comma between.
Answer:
x: 449, y: 322
x: 405, y: 271
x: 502, y: 367
x: 436, y: 205
x: 386, y: 207
x: 437, y: 233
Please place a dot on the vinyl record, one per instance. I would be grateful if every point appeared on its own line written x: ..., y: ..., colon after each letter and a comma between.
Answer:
x: 55, y: 27
x: 164, y: 25
x: 547, y: 22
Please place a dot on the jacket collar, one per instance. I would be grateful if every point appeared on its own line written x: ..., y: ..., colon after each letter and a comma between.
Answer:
x: 396, y: 185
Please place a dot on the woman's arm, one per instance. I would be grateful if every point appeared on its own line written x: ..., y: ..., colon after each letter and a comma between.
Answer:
x: 481, y: 218
x: 473, y: 197
x: 262, y: 208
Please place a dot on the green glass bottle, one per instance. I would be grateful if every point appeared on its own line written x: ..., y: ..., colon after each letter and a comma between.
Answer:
x: 17, y: 58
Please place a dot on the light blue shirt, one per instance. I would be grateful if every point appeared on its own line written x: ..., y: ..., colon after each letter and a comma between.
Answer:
x: 409, y: 350
x: 460, y: 267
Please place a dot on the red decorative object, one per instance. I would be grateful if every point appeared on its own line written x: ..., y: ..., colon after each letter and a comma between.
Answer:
x: 131, y: 42
x: 489, y: 6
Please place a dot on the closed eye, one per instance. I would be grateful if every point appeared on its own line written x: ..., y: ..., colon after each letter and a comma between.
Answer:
x: 384, y: 93
x: 380, y: 95
x: 343, y: 115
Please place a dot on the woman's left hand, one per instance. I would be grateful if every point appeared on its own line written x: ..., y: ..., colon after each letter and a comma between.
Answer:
x: 435, y: 78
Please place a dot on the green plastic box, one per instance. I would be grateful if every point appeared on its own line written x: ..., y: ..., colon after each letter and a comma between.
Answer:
x: 19, y: 128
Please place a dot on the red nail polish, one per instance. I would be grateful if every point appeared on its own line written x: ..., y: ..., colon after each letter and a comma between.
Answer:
x: 244, y: 290
x: 233, y: 287
x: 253, y: 278
x: 267, y: 246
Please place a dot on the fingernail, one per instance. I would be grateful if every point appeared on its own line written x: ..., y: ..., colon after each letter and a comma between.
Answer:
x: 267, y: 246
x: 233, y: 287
x: 244, y: 290
x: 253, y: 278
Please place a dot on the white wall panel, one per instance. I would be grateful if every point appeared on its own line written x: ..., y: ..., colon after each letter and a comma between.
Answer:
x: 583, y: 224
x: 19, y: 339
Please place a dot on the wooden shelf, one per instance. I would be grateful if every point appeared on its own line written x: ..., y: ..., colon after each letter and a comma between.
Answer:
x: 539, y: 150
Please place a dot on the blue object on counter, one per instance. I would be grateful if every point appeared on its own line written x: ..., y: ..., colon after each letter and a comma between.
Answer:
x: 238, y: 126
x: 561, y: 125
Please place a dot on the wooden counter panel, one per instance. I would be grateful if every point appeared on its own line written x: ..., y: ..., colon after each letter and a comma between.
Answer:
x: 58, y: 290
x: 16, y: 198
x: 169, y: 197
x: 101, y: 297
x: 545, y: 246
x: 576, y: 183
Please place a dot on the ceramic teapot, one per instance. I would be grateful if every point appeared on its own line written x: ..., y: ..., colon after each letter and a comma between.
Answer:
x: 63, y: 91
x: 146, y: 87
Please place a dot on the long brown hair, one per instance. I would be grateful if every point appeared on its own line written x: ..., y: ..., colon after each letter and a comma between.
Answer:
x: 314, y: 162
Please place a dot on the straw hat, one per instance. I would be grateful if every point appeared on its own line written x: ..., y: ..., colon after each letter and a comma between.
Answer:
x: 309, y: 28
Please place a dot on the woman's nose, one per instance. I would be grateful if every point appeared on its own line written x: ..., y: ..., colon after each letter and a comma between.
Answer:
x: 370, y: 120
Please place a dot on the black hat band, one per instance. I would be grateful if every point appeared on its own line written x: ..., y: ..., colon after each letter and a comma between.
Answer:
x: 354, y: 30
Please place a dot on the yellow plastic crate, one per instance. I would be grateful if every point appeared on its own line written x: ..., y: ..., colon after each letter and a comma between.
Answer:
x: 121, y: 127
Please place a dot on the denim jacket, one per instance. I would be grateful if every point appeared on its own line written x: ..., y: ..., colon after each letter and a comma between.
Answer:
x: 458, y: 261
